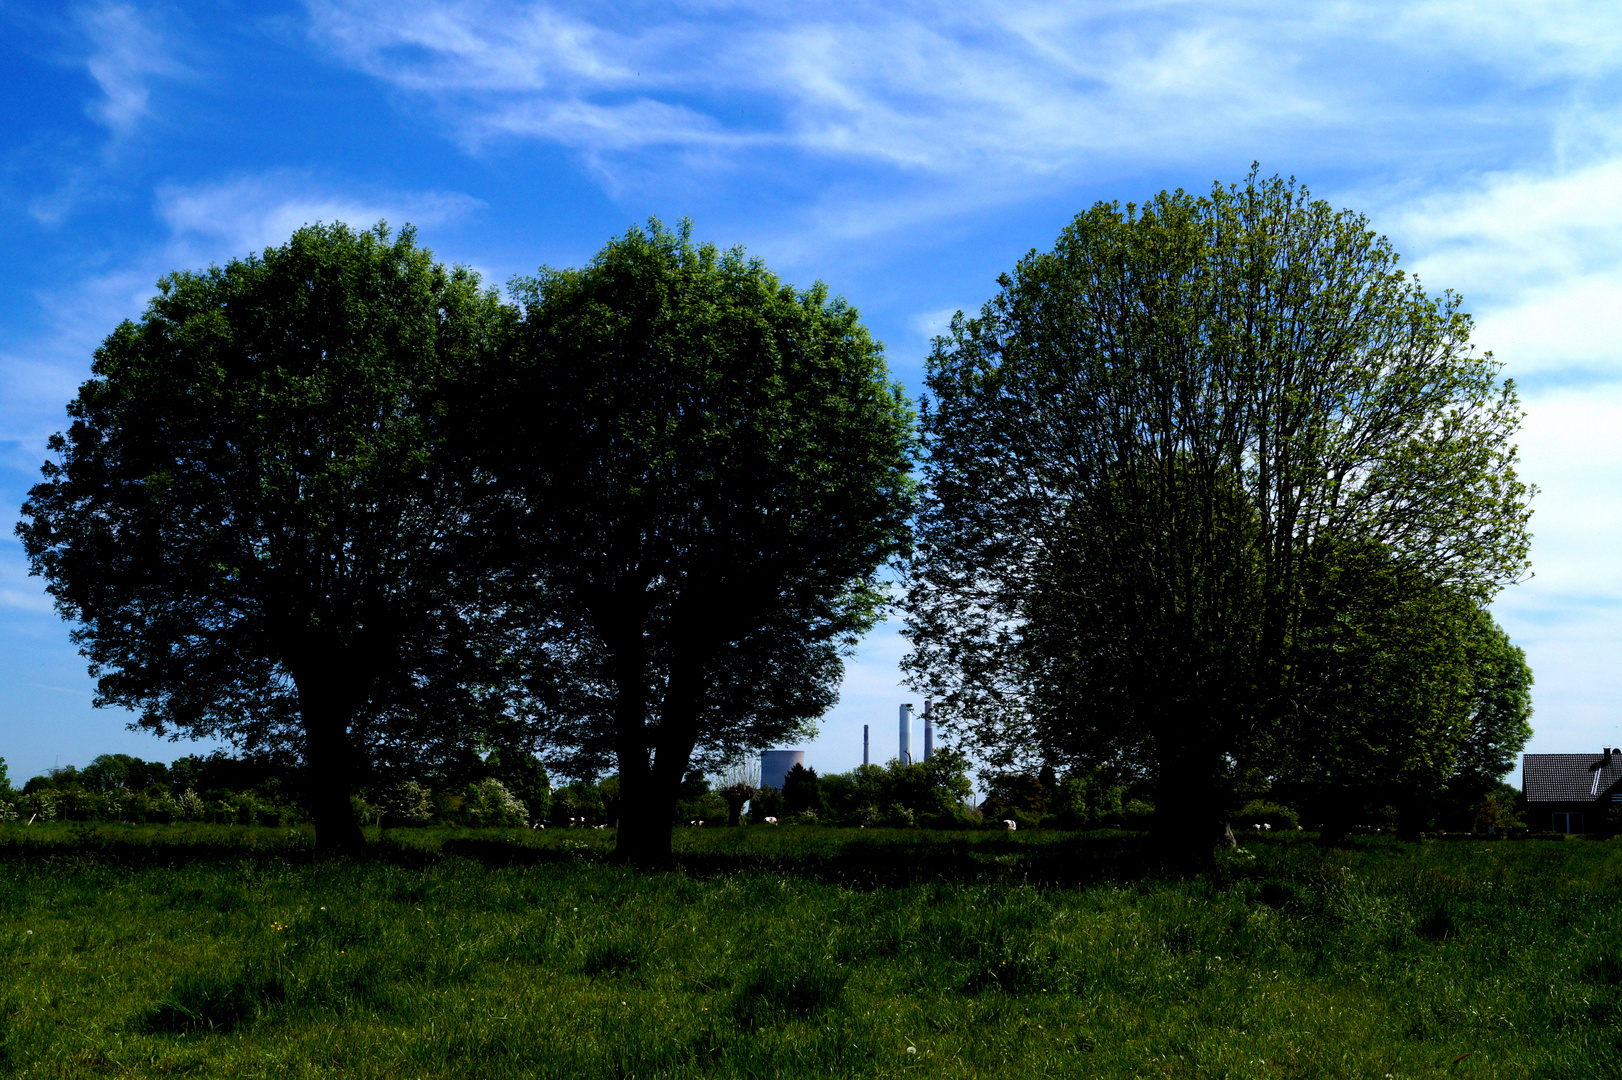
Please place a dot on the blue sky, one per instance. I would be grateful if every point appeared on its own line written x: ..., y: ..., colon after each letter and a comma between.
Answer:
x: 906, y: 154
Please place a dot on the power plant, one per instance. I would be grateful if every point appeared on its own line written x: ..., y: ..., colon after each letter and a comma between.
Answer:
x: 775, y: 765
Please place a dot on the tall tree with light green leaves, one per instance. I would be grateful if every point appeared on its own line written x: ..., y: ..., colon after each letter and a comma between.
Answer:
x: 1150, y: 449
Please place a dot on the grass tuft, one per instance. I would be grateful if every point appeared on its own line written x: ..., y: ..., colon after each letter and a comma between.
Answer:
x: 788, y: 987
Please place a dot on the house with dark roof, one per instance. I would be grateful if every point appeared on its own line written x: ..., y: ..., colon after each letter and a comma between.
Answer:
x: 1571, y: 793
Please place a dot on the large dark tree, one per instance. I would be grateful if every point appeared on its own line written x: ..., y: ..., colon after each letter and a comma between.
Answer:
x: 254, y: 518
x: 1150, y: 450
x: 706, y: 469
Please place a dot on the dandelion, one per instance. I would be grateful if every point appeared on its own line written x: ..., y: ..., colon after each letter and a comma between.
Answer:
x: 912, y: 1049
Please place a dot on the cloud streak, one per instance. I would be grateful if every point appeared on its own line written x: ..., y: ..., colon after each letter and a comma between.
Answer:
x: 1023, y: 90
x: 126, y: 54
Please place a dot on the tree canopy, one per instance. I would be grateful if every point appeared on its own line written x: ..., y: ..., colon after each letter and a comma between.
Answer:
x: 254, y: 520
x: 1156, y: 453
x: 702, y: 471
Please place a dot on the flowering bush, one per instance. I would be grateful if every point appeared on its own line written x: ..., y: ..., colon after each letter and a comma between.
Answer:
x: 488, y: 802
x: 190, y: 806
x: 8, y: 811
x: 407, y: 803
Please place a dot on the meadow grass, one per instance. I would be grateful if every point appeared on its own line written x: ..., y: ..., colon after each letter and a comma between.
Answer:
x: 233, y: 952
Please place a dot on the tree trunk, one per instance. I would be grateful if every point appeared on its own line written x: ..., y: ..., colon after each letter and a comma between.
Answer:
x: 329, y: 765
x: 648, y: 812
x: 1189, y: 823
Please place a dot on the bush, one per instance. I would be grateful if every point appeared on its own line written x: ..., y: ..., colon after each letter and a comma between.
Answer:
x: 577, y: 800
x: 365, y: 813
x: 522, y: 774
x: 1260, y: 812
x: 1084, y: 802
x: 489, y: 803
x: 406, y: 803
x: 709, y: 808
x: 768, y: 802
x: 1137, y: 814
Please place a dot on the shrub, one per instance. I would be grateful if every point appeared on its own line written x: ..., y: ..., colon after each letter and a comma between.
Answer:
x: 406, y: 803
x: 189, y: 807
x: 525, y: 777
x: 708, y: 808
x: 1084, y: 802
x: 1260, y: 812
x: 489, y: 803
x: 1137, y: 814
x: 577, y: 800
x: 768, y: 802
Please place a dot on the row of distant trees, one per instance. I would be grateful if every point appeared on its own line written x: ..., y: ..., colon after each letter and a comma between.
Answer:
x: 511, y: 789
x: 1214, y: 499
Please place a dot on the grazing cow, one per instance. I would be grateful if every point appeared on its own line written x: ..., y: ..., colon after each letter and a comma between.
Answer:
x: 771, y: 821
x: 1010, y: 824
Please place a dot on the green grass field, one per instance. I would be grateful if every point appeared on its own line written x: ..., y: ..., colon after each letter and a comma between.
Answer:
x: 224, y: 952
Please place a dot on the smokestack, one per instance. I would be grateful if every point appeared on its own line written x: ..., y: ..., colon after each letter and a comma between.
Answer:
x: 929, y: 732
x: 864, y: 744
x: 906, y: 734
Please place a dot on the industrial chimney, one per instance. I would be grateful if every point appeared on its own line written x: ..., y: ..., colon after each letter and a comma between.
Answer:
x: 906, y: 734
x: 864, y: 745
x: 929, y: 732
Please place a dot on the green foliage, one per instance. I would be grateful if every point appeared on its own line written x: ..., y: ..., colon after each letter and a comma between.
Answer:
x: 523, y: 774
x: 1138, y: 814
x: 709, y: 808
x: 802, y: 792
x: 489, y: 803
x: 1261, y: 812
x: 405, y: 803
x: 711, y: 467
x: 109, y: 772
x: 1008, y: 792
x: 577, y: 800
x: 257, y: 518
x: 1150, y: 453
x: 5, y: 781
x: 767, y: 803
x: 1086, y: 801
x: 933, y: 793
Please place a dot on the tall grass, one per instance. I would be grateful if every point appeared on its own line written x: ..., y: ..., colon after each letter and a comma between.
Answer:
x: 782, y: 953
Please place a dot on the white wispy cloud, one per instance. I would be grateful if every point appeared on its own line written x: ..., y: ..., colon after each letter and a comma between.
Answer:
x: 126, y: 53
x: 1538, y: 254
x: 1008, y: 91
x: 210, y: 222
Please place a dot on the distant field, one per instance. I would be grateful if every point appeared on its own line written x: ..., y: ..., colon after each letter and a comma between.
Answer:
x: 226, y: 952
